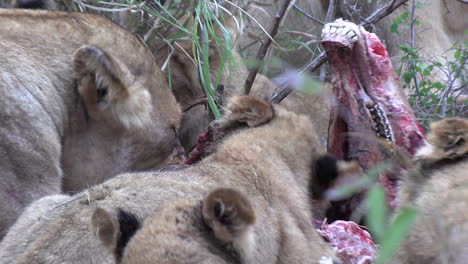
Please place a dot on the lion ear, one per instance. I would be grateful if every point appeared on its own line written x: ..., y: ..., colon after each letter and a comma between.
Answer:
x: 249, y: 110
x: 448, y: 139
x: 105, y: 226
x: 114, y: 229
x: 99, y: 75
x: 104, y: 83
x: 451, y: 135
x: 230, y: 215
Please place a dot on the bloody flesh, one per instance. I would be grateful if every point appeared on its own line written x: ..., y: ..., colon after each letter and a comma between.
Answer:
x: 368, y: 100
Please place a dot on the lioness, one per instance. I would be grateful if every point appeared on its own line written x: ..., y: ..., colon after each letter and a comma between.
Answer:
x: 244, y: 203
x: 438, y: 188
x: 178, y: 60
x: 82, y: 100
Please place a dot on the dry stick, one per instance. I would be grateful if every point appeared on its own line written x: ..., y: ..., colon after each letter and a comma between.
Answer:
x: 412, y: 64
x: 330, y: 11
x: 375, y: 17
x: 265, y: 44
x: 202, y: 100
x: 279, y: 95
x: 448, y: 90
x: 309, y: 16
x: 330, y: 16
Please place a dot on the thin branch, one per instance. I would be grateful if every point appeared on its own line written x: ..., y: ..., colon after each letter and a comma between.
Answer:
x: 331, y: 11
x: 330, y: 16
x: 382, y: 12
x: 202, y: 100
x: 279, y: 95
x: 309, y: 16
x: 412, y: 65
x: 451, y: 82
x: 375, y: 17
x: 265, y: 44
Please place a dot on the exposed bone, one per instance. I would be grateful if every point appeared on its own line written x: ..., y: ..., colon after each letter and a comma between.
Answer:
x: 338, y: 29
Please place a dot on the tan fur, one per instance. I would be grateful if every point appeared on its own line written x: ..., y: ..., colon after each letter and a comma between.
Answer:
x: 247, y: 202
x: 438, y: 188
x: 187, y: 87
x: 188, y: 90
x: 82, y: 100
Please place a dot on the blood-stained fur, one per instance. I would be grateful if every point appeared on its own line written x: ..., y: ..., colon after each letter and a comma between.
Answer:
x: 246, y: 202
x: 438, y: 189
x: 82, y: 100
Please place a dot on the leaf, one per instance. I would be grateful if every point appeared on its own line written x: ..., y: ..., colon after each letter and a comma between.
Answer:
x: 457, y: 54
x: 407, y: 76
x: 417, y: 22
x: 394, y: 25
x: 303, y: 45
x: 437, y: 63
x: 438, y: 85
x: 419, y: 4
x: 404, y: 16
x: 394, y: 28
x: 377, y: 210
x: 396, y: 232
x: 424, y: 91
x: 428, y: 70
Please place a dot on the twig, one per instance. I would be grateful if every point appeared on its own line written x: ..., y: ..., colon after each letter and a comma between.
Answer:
x: 415, y: 78
x: 265, y: 44
x: 309, y: 16
x: 202, y: 100
x: 330, y: 16
x: 278, y: 96
x: 449, y: 89
x: 375, y: 17
x: 382, y: 12
x: 156, y: 22
x: 331, y: 11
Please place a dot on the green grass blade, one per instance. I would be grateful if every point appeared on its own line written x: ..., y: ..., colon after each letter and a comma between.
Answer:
x: 377, y: 211
x: 396, y: 233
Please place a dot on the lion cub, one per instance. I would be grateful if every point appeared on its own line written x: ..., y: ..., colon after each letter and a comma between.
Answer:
x: 246, y: 202
x: 438, y: 188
